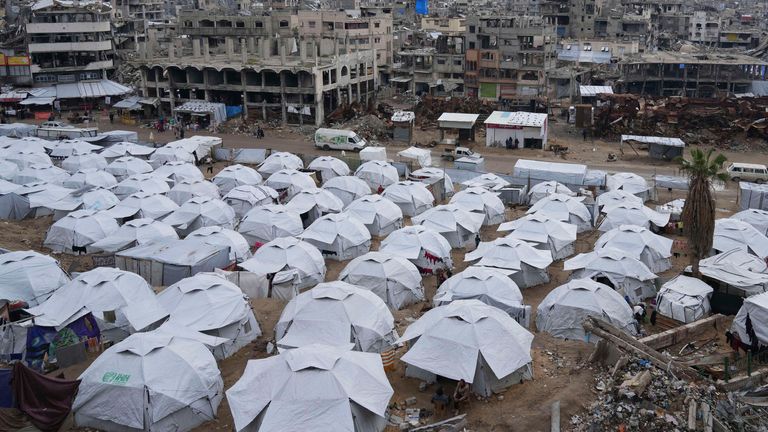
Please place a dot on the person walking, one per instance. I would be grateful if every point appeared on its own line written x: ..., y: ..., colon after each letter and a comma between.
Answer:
x: 111, y: 117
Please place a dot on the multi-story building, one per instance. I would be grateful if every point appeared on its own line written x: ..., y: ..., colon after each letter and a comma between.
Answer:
x: 704, y: 28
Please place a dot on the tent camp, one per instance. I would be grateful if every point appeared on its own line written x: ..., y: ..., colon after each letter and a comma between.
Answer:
x: 329, y: 167
x: 736, y: 272
x: 617, y: 196
x: 279, y: 161
x: 41, y: 173
x: 140, y: 183
x: 295, y: 264
x: 377, y: 174
x: 90, y: 177
x: 87, y: 160
x: 631, y: 213
x: 755, y: 217
x: 201, y: 212
x: 76, y: 232
x: 653, y: 250
x: 135, y: 232
x: 429, y: 175
x: 393, y: 278
x: 239, y: 249
x: 482, y: 201
x: 208, y: 303
x: 460, y: 227
x: 289, y: 182
x: 244, y: 198
x: 336, y: 313
x: 489, y: 181
x: 284, y: 392
x: 527, y: 264
x: 127, y: 166
x: 184, y: 190
x: 265, y: 223
x: 347, y: 188
x: 684, y: 298
x: 615, y: 268
x: 731, y: 234
x: 552, y: 235
x: 469, y: 340
x: 563, y: 310
x: 547, y: 188
x: 180, y: 374
x: 564, y: 208
x: 312, y: 203
x: 29, y: 276
x: 236, y: 175
x: 29, y: 200
x: 122, y: 303
x: 750, y: 322
x: 412, y: 197
x: 178, y: 171
x: 338, y: 236
x: 629, y: 182
x: 150, y: 205
x: 380, y: 215
x: 425, y: 248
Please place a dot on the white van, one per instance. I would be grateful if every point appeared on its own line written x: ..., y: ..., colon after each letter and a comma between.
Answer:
x: 337, y: 139
x: 748, y: 172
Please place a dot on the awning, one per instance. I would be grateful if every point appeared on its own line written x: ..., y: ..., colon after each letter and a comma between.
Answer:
x: 13, y: 96
x: 130, y: 104
x: 90, y: 89
x: 38, y: 101
x: 401, y: 79
x: 150, y: 101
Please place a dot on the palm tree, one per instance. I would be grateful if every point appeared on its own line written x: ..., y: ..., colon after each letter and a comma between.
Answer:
x: 699, y: 211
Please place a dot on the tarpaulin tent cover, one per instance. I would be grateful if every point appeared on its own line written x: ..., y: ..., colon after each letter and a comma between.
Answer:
x: 424, y: 247
x: 652, y: 249
x: 627, y: 274
x: 564, y: 208
x: 684, y: 299
x: 553, y: 235
x: 412, y: 197
x: 393, y: 278
x: 236, y: 175
x: 29, y: 276
x: 483, y: 201
x: 329, y: 167
x: 380, y: 215
x: 731, y: 234
x: 486, y: 284
x: 265, y: 223
x: 46, y: 400
x: 347, y: 188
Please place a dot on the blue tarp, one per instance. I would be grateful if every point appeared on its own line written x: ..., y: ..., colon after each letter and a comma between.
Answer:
x: 234, y: 111
x: 422, y: 7
x: 6, y: 391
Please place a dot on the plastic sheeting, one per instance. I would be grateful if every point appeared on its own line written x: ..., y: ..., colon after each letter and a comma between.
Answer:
x: 684, y: 299
x: 338, y: 237
x: 412, y: 197
x: 393, y: 278
x: 380, y: 215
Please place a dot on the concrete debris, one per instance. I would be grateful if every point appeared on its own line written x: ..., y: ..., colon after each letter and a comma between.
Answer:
x: 429, y: 109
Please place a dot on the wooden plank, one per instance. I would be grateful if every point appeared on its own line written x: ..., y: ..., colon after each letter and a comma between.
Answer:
x: 684, y: 333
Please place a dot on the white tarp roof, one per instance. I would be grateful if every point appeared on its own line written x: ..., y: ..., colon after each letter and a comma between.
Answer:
x: 412, y: 241
x: 393, y: 278
x: 200, y: 212
x: 29, y: 276
x: 481, y: 200
x: 286, y: 253
x: 83, y: 89
x: 517, y: 118
x: 217, y: 111
x: 541, y: 170
x: 239, y: 249
x: 178, y: 171
x: 315, y: 198
x: 738, y: 269
x: 610, y: 261
x: 433, y: 174
x: 271, y: 221
x: 336, y: 228
x: 149, y: 205
x: 755, y: 217
x: 347, y: 188
x: 631, y: 213
x: 617, y: 196
x: 564, y: 208
x: 541, y: 229
x: 633, y: 240
x: 329, y: 167
x: 450, y: 218
x: 176, y: 252
x: 367, y: 208
x: 136, y: 232
x: 124, y: 148
x: 420, y: 155
x: 79, y: 229
x: 90, y: 177
x: 488, y: 181
x: 127, y: 166
x: 407, y: 192
x: 373, y: 153
x: 541, y: 190
x: 684, y: 298
x: 756, y: 308
x: 457, y: 120
x: 590, y: 90
x: 665, y: 141
x: 629, y: 182
x: 377, y: 173
x: 140, y: 183
x: 509, y: 253
x: 490, y: 286
x: 280, y: 161
x: 290, y: 180
x: 731, y: 234
x: 184, y: 190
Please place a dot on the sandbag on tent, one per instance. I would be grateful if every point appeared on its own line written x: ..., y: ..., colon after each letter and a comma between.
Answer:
x: 629, y: 182
x: 313, y: 203
x: 547, y: 188
x: 236, y: 175
x: 564, y: 208
x: 751, y: 322
x: 393, y: 278
x: 684, y: 298
x: 412, y: 197
x: 135, y: 232
x: 336, y: 313
x: 640, y: 243
x: 380, y: 215
x: 428, y: 175
x: 528, y: 263
x: 288, y: 257
x: 77, y: 162
x: 488, y: 181
x: 742, y: 273
x: 734, y: 234
x: 755, y: 217
x: 90, y: 177
x: 283, y: 393
x: 459, y: 226
x: 555, y: 236
x: 265, y: 223
x: 617, y: 196
x: 122, y: 303
x: 150, y: 381
x: 425, y: 248
x: 329, y: 167
x: 184, y: 190
x: 210, y: 304
x: 482, y: 201
x: 150, y: 205
x: 201, y: 212
x: 338, y: 237
x: 41, y: 173
x: 141, y: 183
x: 347, y: 188
x: 29, y: 276
x: 25, y: 158
x: 244, y: 198
x: 239, y: 250
x: 178, y: 171
x: 631, y: 213
x: 377, y: 174
x: 615, y: 268
x: 469, y: 340
x: 30, y: 200
x: 126, y: 148
x: 127, y: 166
x: 564, y: 309
x: 76, y: 232
x: 289, y: 182
x: 280, y: 161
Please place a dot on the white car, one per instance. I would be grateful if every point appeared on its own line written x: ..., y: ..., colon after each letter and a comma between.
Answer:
x: 55, y: 124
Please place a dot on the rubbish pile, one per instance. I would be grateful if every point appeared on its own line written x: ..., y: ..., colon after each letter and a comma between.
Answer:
x: 127, y: 73
x: 431, y: 108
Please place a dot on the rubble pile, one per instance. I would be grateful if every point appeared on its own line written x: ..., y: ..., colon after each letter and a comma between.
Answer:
x: 370, y: 127
x: 128, y: 74
x: 430, y: 108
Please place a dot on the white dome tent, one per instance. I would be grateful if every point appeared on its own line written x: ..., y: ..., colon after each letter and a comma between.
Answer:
x: 24, y: 158
x: 483, y: 201
x: 141, y: 183
x: 329, y: 167
x: 313, y: 203
x: 185, y: 190
x: 460, y: 227
x: 629, y: 182
x: 83, y: 199
x: 86, y: 160
x: 653, y: 250
x: 239, y: 250
x: 737, y: 271
x: 552, y: 235
x: 208, y: 303
x: 8, y: 170
x: 126, y: 148
x: 236, y: 175
x: 90, y: 177
x: 380, y: 215
x: 432, y: 174
x: 617, y: 196
x: 336, y: 313
x: 135, y: 232
x: 177, y: 171
x: 151, y: 205
x: 425, y: 248
x: 180, y: 374
x: 41, y: 173
x: 280, y: 161
x: 29, y: 276
x: 377, y: 174
x: 314, y: 388
x: 29, y: 200
x: 127, y: 166
x: 76, y: 232
x: 245, y: 197
x: 631, y: 213
x: 469, y: 340
x: 201, y: 212
x: 69, y: 147
x: 755, y: 217
x: 265, y: 223
x: 629, y: 276
x: 338, y: 237
x: 563, y: 310
x: 488, y: 285
x: 289, y: 182
x: 347, y: 188
x: 732, y: 234
x: 488, y: 181
x: 393, y: 278
x: 172, y: 152
x: 295, y: 264
x: 564, y: 208
x: 751, y: 322
x: 527, y: 264
x: 685, y: 299
x: 545, y: 189
x: 412, y: 197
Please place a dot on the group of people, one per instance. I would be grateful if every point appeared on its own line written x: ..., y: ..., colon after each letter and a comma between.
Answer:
x: 441, y: 401
x: 259, y: 133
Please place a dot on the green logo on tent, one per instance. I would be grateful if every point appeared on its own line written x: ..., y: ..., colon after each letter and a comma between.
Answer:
x: 115, y: 378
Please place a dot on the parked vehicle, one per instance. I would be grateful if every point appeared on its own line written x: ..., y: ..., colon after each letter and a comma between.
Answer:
x: 338, y: 139
x: 55, y: 133
x: 452, y: 153
x: 756, y: 173
x: 55, y: 124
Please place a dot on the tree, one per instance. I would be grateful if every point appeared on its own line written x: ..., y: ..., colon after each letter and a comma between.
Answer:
x: 699, y: 211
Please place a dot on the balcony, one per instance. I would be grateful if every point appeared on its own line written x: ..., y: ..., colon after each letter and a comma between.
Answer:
x: 75, y: 27
x: 70, y: 47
